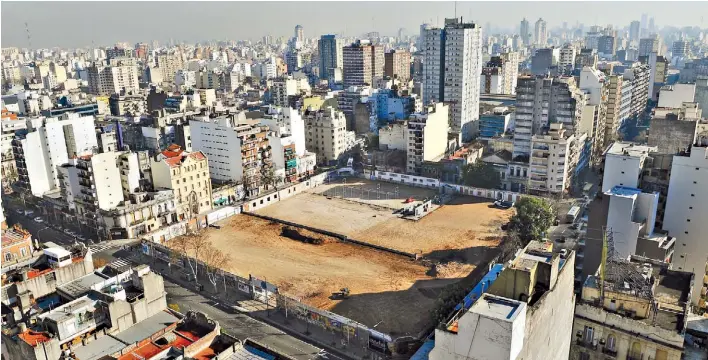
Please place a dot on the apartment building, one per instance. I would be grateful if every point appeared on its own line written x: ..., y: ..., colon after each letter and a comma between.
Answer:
x: 237, y: 148
x: 17, y: 245
x: 331, y: 55
x: 452, y: 72
x: 10, y: 126
x: 127, y: 104
x: 397, y: 64
x: 118, y: 75
x: 91, y: 183
x: 285, y: 87
x: 461, y: 79
x: 426, y: 137
x: 530, y: 302
x: 687, y: 210
x: 326, y: 134
x: 500, y: 75
x: 632, y: 309
x: 433, y: 48
x: 169, y: 64
x: 362, y: 63
x: 648, y: 45
x: 187, y: 175
x: 638, y: 75
x: 552, y: 160
x: 566, y: 58
x: 140, y: 214
x: 540, y: 100
x: 48, y: 143
x: 631, y: 216
x: 624, y: 163
x: 615, y: 114
x: 595, y: 84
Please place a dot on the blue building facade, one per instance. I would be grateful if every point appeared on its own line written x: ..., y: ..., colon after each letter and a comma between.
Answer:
x: 83, y: 110
x: 494, y: 124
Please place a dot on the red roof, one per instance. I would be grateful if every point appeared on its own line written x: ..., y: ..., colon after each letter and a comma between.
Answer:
x: 173, y: 150
x: 176, y: 161
x: 34, y: 337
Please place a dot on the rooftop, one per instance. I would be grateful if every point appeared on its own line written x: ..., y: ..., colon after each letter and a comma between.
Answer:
x: 624, y: 191
x: 496, y: 307
x: 15, y: 235
x: 649, y: 281
x: 630, y: 149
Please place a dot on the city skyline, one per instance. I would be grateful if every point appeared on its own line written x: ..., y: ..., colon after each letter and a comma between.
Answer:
x: 280, y: 18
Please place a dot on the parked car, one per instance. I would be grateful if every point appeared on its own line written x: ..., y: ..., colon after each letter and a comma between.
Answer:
x: 67, y: 231
x: 29, y: 212
x: 19, y: 211
x: 38, y: 220
x: 574, y: 226
x: 504, y: 204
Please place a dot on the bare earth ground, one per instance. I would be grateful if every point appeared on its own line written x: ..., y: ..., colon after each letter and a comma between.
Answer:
x: 385, y: 194
x: 453, y: 232
x: 384, y: 287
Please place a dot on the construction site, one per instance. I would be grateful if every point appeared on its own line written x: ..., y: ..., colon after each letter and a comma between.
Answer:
x: 393, y: 269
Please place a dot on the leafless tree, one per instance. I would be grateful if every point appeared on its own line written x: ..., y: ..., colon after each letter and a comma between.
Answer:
x: 215, y: 260
x: 191, y: 246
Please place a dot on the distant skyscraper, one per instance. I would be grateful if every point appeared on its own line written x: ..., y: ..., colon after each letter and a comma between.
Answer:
x: 330, y: 55
x: 452, y: 72
x: 648, y: 46
x: 651, y: 25
x: 634, y: 29
x: 299, y: 34
x: 680, y: 48
x: 540, y: 33
x: 525, y: 32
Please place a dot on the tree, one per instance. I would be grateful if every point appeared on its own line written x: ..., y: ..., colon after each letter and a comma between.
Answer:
x: 191, y: 246
x: 270, y: 178
x: 215, y: 260
x: 533, y: 218
x: 482, y: 175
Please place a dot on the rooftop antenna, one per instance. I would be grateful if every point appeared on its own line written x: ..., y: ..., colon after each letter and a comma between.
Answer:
x: 29, y: 38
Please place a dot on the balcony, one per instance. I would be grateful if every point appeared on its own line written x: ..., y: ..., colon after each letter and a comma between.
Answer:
x: 586, y: 344
x: 608, y: 351
x: 634, y: 356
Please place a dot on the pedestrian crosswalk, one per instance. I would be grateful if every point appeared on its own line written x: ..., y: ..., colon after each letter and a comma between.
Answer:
x: 97, y: 248
x: 120, y: 264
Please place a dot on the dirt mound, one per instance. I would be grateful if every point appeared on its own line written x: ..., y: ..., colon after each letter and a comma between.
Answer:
x: 451, y: 269
x: 304, y: 235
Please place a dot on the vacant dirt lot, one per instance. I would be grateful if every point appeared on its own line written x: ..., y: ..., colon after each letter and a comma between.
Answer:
x: 385, y: 288
x: 385, y: 194
x: 461, y: 230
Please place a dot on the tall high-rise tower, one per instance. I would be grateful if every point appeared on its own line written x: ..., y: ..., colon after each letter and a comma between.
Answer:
x: 452, y: 72
x: 540, y: 34
x: 299, y: 34
x: 525, y: 32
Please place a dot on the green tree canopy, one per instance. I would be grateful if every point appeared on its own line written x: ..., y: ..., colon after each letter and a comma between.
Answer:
x: 533, y: 217
x: 481, y: 174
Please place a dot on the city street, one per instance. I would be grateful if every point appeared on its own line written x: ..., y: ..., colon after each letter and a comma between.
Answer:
x: 234, y: 323
x: 40, y: 231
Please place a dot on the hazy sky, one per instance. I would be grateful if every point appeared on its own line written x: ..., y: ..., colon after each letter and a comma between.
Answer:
x: 77, y: 24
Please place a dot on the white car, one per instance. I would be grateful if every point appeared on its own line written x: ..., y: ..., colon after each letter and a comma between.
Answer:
x: 67, y: 231
x: 38, y: 220
x: 29, y: 212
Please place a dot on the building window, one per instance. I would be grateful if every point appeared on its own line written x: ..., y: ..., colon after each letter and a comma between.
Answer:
x: 8, y: 256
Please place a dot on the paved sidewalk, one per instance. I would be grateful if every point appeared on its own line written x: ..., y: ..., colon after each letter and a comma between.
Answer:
x: 333, y: 342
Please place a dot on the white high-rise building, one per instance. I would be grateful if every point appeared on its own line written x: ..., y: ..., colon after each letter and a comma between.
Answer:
x: 51, y: 142
x: 327, y: 134
x: 433, y: 63
x: 540, y: 34
x: 453, y: 72
x: 686, y: 213
x: 120, y: 74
